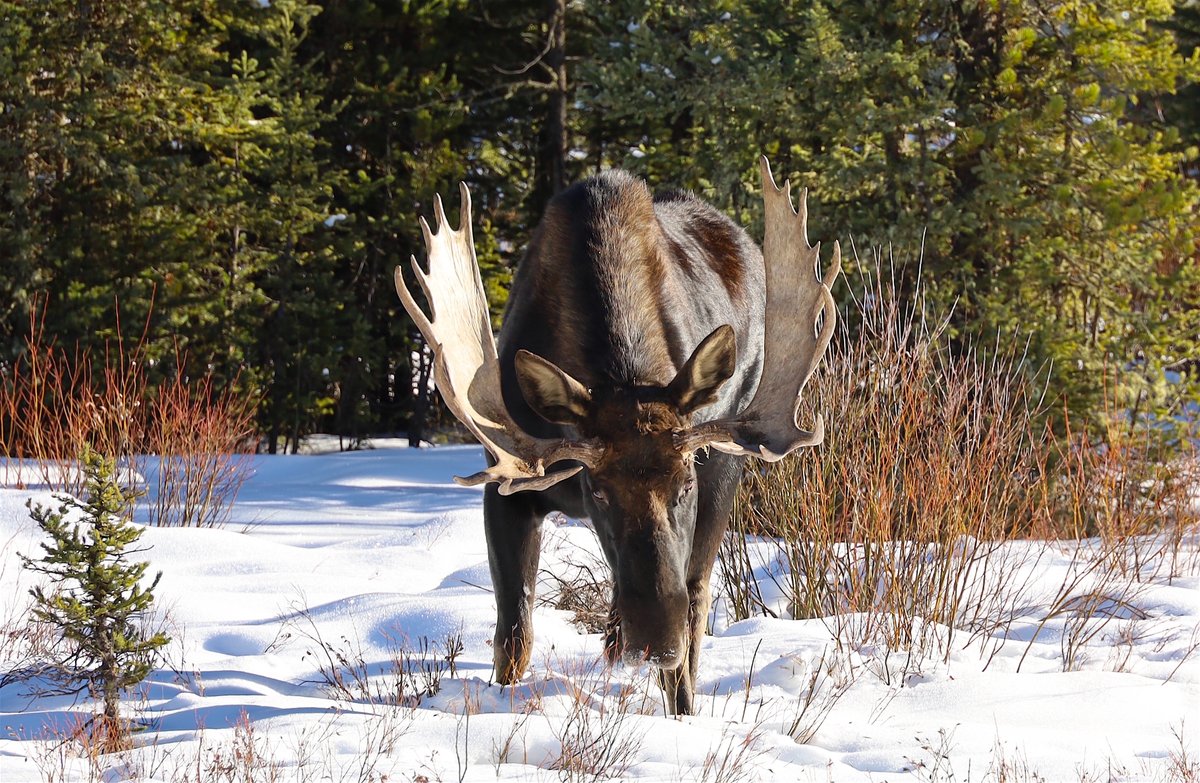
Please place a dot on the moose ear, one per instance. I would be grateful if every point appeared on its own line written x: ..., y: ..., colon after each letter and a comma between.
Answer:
x: 709, y: 366
x: 553, y: 395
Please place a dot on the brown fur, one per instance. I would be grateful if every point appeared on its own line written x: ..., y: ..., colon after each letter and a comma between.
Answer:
x: 617, y: 291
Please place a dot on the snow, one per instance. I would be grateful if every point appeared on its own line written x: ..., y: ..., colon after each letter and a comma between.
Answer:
x: 376, y: 555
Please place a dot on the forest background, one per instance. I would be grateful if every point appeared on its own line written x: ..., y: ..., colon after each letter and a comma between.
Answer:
x: 230, y: 183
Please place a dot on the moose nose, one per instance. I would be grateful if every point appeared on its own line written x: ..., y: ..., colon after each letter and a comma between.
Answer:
x: 654, y: 627
x: 668, y: 657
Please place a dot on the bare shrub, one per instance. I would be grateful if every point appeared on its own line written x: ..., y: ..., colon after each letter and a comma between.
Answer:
x: 597, y: 739
x: 1125, y: 511
x: 54, y: 401
x: 199, y: 433
x: 925, y: 471
x: 1124, y: 487
x: 937, y: 494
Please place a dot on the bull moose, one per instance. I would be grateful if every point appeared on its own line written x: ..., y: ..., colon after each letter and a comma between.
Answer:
x: 648, y: 347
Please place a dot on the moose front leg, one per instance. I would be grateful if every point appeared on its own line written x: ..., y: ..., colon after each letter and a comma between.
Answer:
x: 614, y: 645
x: 679, y: 684
x: 513, y: 527
x: 719, y: 476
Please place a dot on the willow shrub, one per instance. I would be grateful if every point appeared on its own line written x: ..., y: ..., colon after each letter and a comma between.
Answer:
x: 937, y: 453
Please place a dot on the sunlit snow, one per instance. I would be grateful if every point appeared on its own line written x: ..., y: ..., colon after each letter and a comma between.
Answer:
x: 377, y: 556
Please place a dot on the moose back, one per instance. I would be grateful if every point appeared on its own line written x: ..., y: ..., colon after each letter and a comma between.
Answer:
x: 648, y: 347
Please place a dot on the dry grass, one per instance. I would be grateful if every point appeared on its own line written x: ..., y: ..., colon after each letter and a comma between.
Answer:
x: 411, y: 672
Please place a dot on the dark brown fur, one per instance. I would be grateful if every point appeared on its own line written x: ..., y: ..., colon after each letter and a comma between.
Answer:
x: 617, y: 290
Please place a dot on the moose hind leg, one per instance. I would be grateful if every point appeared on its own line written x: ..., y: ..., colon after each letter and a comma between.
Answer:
x: 513, y: 528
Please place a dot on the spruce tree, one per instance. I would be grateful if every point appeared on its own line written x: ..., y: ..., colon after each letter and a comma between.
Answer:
x: 1001, y: 141
x: 95, y: 597
x: 97, y: 103
x: 299, y: 339
x: 425, y: 106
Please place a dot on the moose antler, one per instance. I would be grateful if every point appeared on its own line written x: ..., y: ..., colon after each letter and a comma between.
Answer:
x: 465, y: 366
x: 800, y: 319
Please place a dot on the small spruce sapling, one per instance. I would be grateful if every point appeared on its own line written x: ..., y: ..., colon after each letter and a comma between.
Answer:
x: 95, y: 598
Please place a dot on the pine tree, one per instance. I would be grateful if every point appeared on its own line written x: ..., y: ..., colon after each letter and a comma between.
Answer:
x: 424, y: 108
x: 95, y: 597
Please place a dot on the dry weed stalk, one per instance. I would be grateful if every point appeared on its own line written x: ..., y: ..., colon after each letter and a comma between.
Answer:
x: 1183, y: 765
x: 732, y: 760
x: 584, y: 586
x: 251, y: 755
x: 829, y: 677
x: 1010, y: 767
x: 63, y: 754
x: 938, y: 764
x: 411, y: 672
x: 25, y: 643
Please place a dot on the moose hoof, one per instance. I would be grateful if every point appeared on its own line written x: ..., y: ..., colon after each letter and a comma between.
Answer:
x: 511, y: 661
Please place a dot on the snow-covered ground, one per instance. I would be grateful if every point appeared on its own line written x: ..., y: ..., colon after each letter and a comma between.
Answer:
x: 372, y: 563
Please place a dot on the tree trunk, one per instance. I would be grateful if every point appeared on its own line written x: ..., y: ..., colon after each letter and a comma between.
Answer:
x: 977, y: 68
x: 421, y: 396
x: 551, y: 163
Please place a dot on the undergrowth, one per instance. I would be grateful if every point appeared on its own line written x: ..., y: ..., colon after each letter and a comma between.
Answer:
x: 186, y: 436
x: 944, y: 486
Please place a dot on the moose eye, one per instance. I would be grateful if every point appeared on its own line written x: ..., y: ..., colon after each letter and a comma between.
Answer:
x: 685, y: 490
x: 600, y: 497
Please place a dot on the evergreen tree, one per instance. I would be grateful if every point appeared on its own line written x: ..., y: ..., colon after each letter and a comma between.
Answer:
x: 422, y: 111
x: 301, y: 335
x: 191, y: 164
x: 97, y: 98
x: 95, y: 598
x: 999, y: 140
x: 1182, y: 108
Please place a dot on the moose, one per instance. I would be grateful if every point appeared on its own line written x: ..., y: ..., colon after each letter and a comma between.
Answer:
x: 648, y: 348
